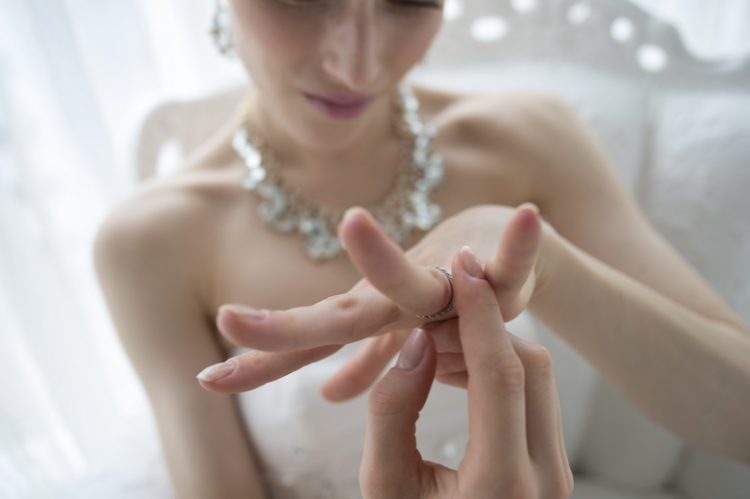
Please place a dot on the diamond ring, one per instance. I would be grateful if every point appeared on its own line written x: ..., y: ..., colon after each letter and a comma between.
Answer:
x: 450, y: 306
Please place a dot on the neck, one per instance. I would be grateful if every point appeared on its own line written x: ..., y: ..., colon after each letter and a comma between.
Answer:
x: 364, y: 166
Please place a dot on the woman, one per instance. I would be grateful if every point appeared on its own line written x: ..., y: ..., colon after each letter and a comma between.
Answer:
x: 164, y: 285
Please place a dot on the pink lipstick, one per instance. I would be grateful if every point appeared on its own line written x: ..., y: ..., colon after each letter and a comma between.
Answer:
x: 339, y: 108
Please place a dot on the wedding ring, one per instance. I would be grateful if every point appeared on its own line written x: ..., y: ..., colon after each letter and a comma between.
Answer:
x: 450, y: 306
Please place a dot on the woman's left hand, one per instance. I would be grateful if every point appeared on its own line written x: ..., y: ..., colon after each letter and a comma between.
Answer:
x: 397, y: 287
x: 514, y: 268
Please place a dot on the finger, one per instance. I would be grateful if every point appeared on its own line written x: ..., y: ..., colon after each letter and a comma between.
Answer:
x: 459, y: 380
x: 447, y: 340
x: 363, y: 368
x: 445, y: 335
x: 255, y: 368
x: 563, y: 450
x: 414, y: 288
x: 448, y: 363
x: 390, y: 459
x: 517, y: 252
x: 496, y: 376
x: 452, y: 362
x: 339, y: 319
x: 542, y: 405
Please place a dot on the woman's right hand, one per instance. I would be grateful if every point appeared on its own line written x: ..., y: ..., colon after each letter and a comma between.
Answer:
x: 516, y: 448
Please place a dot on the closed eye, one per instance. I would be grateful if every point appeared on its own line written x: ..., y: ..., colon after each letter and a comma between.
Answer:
x: 407, y: 3
x: 421, y: 4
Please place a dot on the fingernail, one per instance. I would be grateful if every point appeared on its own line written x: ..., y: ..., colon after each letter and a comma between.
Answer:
x: 217, y: 371
x: 530, y: 205
x: 413, y: 351
x: 244, y: 312
x: 353, y: 211
x: 470, y: 262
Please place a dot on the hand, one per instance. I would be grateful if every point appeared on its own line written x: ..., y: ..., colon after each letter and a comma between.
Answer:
x: 397, y: 287
x: 516, y: 447
x: 513, y: 273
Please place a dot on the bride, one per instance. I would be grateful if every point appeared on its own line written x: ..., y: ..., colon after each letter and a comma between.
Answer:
x: 255, y: 218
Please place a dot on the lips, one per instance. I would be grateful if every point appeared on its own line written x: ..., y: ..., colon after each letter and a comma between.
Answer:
x: 339, y: 106
x: 340, y: 100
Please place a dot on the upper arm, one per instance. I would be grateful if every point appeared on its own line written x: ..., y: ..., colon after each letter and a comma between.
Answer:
x: 583, y: 196
x: 150, y: 295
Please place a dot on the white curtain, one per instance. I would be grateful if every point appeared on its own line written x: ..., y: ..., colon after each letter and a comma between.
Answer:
x: 75, y: 78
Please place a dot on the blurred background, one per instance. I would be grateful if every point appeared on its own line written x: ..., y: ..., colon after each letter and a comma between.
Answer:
x: 76, y: 78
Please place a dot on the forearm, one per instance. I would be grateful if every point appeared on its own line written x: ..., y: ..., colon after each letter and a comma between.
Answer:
x: 206, y: 453
x: 197, y: 478
x: 230, y: 487
x: 685, y: 371
x: 236, y: 491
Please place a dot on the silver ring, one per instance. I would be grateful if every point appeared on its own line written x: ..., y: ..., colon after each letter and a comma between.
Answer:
x: 450, y: 306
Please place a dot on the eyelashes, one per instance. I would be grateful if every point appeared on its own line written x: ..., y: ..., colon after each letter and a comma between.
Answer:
x: 421, y: 4
x: 416, y: 4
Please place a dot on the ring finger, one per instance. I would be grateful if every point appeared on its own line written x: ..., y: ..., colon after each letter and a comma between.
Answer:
x: 415, y: 288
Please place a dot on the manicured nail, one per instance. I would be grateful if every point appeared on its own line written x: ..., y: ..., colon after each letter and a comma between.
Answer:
x: 217, y: 371
x: 244, y: 312
x: 470, y: 262
x: 530, y: 205
x: 413, y: 350
x: 353, y: 211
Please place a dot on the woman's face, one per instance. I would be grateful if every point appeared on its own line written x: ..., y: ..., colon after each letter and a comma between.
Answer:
x: 331, y: 48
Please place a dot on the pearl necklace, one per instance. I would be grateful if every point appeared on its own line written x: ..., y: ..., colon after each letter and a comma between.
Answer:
x: 405, y: 208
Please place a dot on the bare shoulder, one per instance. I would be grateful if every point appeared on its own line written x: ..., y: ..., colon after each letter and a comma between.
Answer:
x: 512, y: 136
x: 165, y: 219
x: 561, y: 157
x: 140, y: 221
x: 516, y: 121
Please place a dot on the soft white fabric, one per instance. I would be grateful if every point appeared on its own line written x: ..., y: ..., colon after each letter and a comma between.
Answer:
x: 706, y: 476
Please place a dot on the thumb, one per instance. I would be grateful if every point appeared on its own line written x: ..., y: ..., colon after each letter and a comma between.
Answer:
x: 510, y: 272
x: 390, y: 459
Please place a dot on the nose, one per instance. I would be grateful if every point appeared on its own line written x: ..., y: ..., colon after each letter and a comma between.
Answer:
x: 350, y: 53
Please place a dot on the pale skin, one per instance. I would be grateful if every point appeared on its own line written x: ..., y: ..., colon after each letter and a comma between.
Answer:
x: 515, y: 444
x: 180, y: 247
